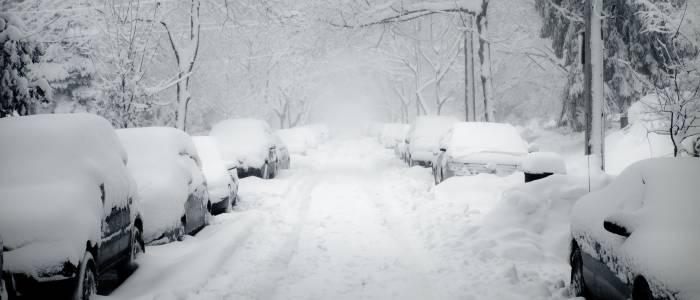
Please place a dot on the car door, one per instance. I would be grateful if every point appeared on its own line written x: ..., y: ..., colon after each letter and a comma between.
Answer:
x: 195, y: 209
x: 115, y: 233
x: 605, y: 283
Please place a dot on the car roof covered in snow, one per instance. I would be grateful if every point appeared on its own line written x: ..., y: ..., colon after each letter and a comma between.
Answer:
x: 658, y: 201
x: 426, y: 131
x: 53, y: 167
x: 475, y: 137
x: 245, y: 140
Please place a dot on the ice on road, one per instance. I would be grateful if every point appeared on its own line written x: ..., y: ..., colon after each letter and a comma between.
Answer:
x: 343, y: 223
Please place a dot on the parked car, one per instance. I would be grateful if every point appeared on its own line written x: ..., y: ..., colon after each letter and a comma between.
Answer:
x: 392, y: 134
x: 471, y: 148
x: 637, y: 238
x: 424, y: 136
x: 68, y: 210
x: 251, y: 143
x: 222, y: 186
x: 283, y: 159
x: 170, y: 182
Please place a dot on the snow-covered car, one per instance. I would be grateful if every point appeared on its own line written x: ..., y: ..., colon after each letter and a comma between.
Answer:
x: 222, y: 186
x: 638, y: 237
x: 401, y: 150
x: 297, y: 140
x: 392, y: 134
x: 251, y: 143
x: 171, y: 186
x: 424, y: 136
x: 68, y: 210
x: 283, y: 159
x: 470, y: 148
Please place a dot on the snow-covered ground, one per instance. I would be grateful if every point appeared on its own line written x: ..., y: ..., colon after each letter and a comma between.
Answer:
x: 350, y: 221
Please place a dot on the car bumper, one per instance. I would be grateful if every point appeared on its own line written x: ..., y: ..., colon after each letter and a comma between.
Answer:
x: 466, y: 169
x: 221, y: 206
x: 28, y: 287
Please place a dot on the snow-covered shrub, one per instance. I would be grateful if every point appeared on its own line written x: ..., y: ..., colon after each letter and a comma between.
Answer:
x: 20, y: 91
x: 61, y: 174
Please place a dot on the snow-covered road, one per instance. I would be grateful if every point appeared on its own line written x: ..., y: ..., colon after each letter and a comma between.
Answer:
x: 348, y: 221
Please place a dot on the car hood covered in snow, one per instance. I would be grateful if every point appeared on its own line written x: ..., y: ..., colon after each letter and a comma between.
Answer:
x: 165, y: 164
x: 657, y: 200
x: 245, y: 140
x: 50, y: 186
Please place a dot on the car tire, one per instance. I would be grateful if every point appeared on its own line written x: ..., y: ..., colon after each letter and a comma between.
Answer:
x: 87, y: 279
x: 641, y: 290
x: 578, y: 285
x: 137, y: 248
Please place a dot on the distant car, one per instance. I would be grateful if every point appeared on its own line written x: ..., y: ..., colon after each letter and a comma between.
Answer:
x: 68, y: 210
x: 171, y: 186
x: 283, y: 159
x: 222, y: 187
x: 424, y: 136
x: 471, y: 148
x: 392, y: 134
x: 638, y: 237
x: 251, y: 143
x: 401, y: 150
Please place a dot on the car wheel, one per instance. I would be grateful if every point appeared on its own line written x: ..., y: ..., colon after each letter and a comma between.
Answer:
x: 641, y: 290
x: 578, y: 285
x: 137, y: 248
x: 87, y: 279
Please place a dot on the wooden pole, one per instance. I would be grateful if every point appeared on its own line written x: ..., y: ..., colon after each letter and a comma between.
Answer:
x: 594, y: 92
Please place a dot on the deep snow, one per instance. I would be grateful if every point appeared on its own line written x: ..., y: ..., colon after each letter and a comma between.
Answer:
x: 351, y: 221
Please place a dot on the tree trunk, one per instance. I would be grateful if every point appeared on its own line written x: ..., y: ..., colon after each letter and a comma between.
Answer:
x: 593, y: 74
x: 469, y: 84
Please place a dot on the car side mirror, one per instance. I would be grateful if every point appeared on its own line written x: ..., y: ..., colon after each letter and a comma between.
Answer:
x: 407, y: 141
x: 443, y: 149
x: 616, y: 228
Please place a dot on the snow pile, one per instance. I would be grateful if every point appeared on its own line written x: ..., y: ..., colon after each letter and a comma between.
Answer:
x: 53, y: 166
x: 475, y: 137
x: 219, y: 181
x: 392, y: 133
x: 657, y: 201
x: 244, y: 140
x: 544, y: 162
x: 425, y: 134
x: 165, y: 163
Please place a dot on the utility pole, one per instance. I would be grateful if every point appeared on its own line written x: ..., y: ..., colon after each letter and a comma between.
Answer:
x: 469, y: 84
x: 594, y: 92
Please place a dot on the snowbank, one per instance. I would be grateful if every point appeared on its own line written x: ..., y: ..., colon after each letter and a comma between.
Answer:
x: 53, y: 166
x: 166, y: 166
x: 393, y: 133
x: 244, y: 140
x: 219, y: 182
x: 657, y: 200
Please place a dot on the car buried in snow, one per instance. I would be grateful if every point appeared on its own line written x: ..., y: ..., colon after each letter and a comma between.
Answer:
x: 171, y: 186
x: 68, y: 211
x: 222, y: 185
x: 470, y: 148
x: 283, y: 160
x: 250, y: 143
x: 424, y: 136
x: 637, y: 238
x: 392, y: 134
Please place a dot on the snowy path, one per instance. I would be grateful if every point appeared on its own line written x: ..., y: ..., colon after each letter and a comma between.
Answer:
x: 340, y: 225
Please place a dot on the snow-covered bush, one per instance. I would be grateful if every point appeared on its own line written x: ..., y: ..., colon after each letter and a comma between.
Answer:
x: 20, y: 91
x: 61, y: 175
x: 247, y: 141
x: 656, y: 201
x: 166, y: 166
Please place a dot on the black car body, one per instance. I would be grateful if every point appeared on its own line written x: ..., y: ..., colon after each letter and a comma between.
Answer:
x: 637, y: 238
x: 66, y: 224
